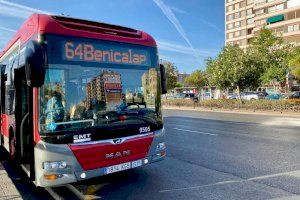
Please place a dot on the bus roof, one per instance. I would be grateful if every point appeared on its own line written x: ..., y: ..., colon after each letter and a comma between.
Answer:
x: 61, y: 25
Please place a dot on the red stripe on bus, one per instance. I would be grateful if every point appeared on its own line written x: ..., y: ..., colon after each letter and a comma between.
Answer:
x: 37, y: 137
x: 4, y: 125
x: 93, y: 156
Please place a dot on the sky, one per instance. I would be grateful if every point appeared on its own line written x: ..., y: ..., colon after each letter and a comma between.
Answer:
x: 187, y: 31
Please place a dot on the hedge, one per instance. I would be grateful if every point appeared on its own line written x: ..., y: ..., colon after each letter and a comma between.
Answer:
x: 291, y: 105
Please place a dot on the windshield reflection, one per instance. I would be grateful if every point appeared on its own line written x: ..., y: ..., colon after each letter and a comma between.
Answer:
x: 78, y: 97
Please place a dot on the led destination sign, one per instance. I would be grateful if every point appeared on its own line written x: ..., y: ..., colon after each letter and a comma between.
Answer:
x: 104, y: 53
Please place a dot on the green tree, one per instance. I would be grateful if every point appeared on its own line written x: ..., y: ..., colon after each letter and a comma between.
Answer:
x: 271, y: 54
x: 217, y: 75
x: 266, y: 60
x: 171, y: 75
x: 294, y: 62
x: 196, y: 79
x: 233, y: 68
x: 179, y: 84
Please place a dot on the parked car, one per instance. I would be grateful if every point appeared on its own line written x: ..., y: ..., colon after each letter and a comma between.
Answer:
x: 232, y: 96
x: 189, y: 95
x: 252, y: 95
x: 293, y: 95
x: 179, y: 96
x: 262, y: 93
x: 274, y: 96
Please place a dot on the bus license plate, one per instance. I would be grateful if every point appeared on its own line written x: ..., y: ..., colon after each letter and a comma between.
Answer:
x: 122, y: 167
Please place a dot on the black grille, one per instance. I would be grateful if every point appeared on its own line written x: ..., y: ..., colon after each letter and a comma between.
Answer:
x: 98, y: 27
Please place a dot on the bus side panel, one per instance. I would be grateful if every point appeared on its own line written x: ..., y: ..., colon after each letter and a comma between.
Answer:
x: 4, y: 125
x: 4, y: 130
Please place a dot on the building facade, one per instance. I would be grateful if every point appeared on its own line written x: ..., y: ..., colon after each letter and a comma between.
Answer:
x: 106, y: 88
x: 181, y: 77
x: 244, y: 18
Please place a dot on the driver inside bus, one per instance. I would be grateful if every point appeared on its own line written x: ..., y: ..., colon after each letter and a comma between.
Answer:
x: 123, y: 103
x: 55, y: 110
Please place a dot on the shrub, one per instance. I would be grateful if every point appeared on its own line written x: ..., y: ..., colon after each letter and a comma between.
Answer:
x: 272, y: 105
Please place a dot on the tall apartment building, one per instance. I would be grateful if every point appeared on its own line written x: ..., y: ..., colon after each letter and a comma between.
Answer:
x: 244, y: 18
x: 181, y: 77
x: 106, y: 87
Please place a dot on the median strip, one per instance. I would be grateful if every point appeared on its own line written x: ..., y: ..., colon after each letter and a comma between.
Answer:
x: 203, y: 133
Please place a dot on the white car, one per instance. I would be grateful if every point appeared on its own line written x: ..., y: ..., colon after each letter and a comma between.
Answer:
x: 252, y: 96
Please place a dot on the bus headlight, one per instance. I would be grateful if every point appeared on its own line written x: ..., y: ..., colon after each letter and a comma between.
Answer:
x: 161, y: 146
x: 54, y: 165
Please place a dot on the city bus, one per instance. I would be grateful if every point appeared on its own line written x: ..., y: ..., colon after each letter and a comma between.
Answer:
x: 80, y: 99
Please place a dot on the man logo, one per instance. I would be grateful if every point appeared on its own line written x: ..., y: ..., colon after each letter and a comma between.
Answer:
x: 117, y: 141
x: 118, y: 154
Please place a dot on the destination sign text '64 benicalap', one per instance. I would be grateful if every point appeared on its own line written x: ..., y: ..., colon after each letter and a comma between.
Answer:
x: 104, y: 53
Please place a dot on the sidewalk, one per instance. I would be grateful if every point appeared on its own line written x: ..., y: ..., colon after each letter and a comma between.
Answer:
x: 251, y: 112
x: 8, y: 191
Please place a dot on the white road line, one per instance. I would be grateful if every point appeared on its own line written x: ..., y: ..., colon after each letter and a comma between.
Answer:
x: 241, y: 123
x: 204, y: 133
x: 76, y: 192
x: 200, y: 186
x: 82, y: 196
x: 295, y: 174
x: 228, y: 132
x: 294, y: 197
x: 53, y: 194
x: 285, y: 122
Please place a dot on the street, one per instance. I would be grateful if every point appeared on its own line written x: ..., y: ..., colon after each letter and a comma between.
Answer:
x: 209, y: 156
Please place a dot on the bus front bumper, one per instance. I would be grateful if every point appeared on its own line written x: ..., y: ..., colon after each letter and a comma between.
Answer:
x: 56, y: 165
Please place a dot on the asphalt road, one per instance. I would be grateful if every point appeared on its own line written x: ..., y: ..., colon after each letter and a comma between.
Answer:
x: 210, y: 156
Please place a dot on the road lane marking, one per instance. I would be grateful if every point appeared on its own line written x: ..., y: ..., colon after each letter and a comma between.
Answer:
x: 82, y: 196
x: 295, y: 174
x: 294, y: 197
x: 234, y: 133
x: 242, y: 123
x: 53, y: 194
x: 191, y: 131
x: 76, y: 192
x: 283, y: 122
x: 200, y: 186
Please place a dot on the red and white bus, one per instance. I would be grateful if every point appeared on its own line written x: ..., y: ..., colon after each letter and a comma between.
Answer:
x: 80, y: 99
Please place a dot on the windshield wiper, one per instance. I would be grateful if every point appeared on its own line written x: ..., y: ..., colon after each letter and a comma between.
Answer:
x: 77, y: 121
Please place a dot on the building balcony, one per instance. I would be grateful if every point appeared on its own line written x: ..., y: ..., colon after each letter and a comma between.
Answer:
x: 268, y: 15
x: 240, y: 38
x: 233, y: 2
x: 240, y: 28
x: 239, y: 10
x: 265, y: 4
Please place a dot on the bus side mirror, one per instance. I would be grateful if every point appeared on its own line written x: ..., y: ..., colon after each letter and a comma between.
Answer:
x: 163, y: 79
x: 35, y: 62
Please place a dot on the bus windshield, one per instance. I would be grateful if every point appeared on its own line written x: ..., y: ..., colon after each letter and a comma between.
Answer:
x: 75, y: 97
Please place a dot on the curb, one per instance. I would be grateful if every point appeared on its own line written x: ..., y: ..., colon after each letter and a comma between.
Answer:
x: 8, y: 190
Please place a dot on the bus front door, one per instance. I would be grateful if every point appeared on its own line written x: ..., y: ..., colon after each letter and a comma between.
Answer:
x: 24, y: 139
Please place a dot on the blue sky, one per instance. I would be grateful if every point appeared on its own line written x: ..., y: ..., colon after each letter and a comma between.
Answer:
x: 187, y: 31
